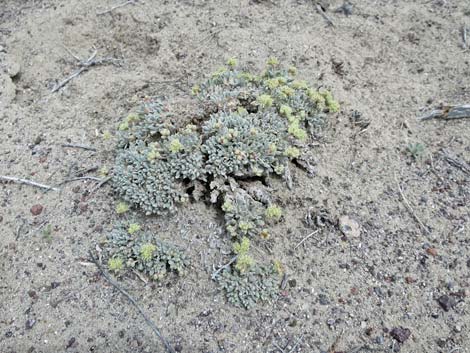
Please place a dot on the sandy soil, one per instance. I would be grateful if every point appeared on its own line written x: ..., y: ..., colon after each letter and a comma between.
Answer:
x: 389, y: 61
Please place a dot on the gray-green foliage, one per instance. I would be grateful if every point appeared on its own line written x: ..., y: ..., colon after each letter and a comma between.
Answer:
x: 258, y: 284
x: 143, y: 252
x: 251, y: 126
x: 243, y: 215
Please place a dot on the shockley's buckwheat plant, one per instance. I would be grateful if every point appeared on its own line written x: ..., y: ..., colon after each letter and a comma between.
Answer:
x: 248, y: 128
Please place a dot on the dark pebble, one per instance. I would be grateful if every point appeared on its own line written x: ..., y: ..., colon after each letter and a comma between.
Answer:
x: 72, y: 343
x: 446, y: 302
x: 54, y: 285
x: 32, y: 294
x: 178, y: 348
x: 323, y: 299
x: 29, y: 324
x: 400, y: 334
x: 292, y: 283
x: 8, y: 334
x: 36, y: 210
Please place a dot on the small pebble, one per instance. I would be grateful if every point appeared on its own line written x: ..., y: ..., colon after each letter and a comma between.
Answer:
x: 432, y: 251
x: 400, y: 334
x: 36, y: 210
x: 29, y: 324
x: 446, y: 302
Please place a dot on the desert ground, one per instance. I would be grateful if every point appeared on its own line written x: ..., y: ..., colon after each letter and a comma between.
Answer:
x: 399, y: 282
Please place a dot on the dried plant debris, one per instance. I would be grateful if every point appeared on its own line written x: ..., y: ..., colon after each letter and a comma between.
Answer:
x: 128, y: 247
x: 248, y: 128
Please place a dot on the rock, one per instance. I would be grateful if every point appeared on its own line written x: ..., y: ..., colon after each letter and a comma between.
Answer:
x: 72, y: 343
x: 8, y: 91
x: 446, y: 302
x: 432, y: 251
x: 349, y: 227
x: 32, y: 294
x: 323, y: 299
x: 346, y: 9
x: 36, y: 210
x: 13, y: 69
x: 400, y: 334
x: 29, y: 324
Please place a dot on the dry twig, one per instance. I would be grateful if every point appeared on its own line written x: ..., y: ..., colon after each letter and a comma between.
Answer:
x: 464, y: 37
x: 215, y: 273
x: 304, y: 239
x: 149, y: 322
x: 84, y: 66
x: 27, y: 182
x: 456, y: 163
x: 324, y: 15
x: 449, y: 113
x: 408, y: 206
x: 83, y: 147
x: 130, y: 2
x: 81, y: 178
x: 335, y: 343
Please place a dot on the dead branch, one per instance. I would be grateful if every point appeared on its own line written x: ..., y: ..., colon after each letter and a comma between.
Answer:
x: 408, y: 206
x: 464, y: 37
x: 130, y: 2
x: 149, y: 322
x: 216, y: 273
x: 71, y: 145
x: 449, y: 113
x: 305, y: 238
x: 84, y: 66
x: 27, y: 182
x: 456, y: 163
x: 81, y: 178
x: 324, y: 15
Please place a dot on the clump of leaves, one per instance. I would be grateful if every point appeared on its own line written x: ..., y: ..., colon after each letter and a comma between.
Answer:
x: 416, y: 150
x: 249, y: 127
x: 247, y: 288
x: 126, y: 247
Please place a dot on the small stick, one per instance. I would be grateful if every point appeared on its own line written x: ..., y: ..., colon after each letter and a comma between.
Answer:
x: 279, y: 348
x: 71, y: 54
x: 71, y: 145
x: 71, y: 77
x: 408, y: 206
x: 324, y: 15
x: 304, y: 239
x: 456, y: 163
x: 464, y: 36
x: 449, y: 113
x: 103, y: 181
x: 149, y: 322
x: 296, y: 343
x: 215, y: 273
x: 84, y: 66
x: 27, y: 182
x: 133, y: 2
x: 335, y: 343
x: 80, y: 178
